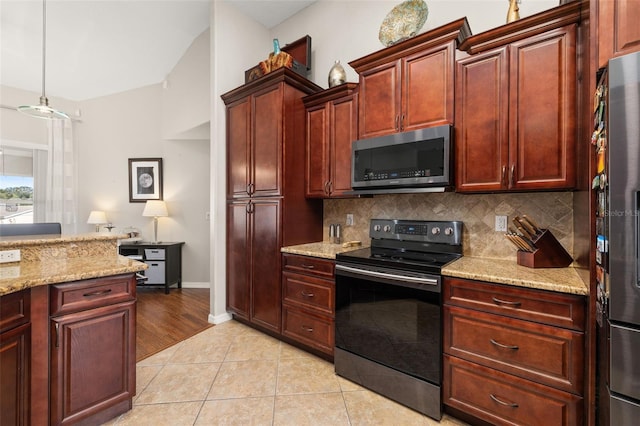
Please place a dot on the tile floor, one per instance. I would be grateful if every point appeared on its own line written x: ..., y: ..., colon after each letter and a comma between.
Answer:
x: 231, y: 374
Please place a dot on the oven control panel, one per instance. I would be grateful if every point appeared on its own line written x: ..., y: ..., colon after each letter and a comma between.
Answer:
x: 447, y: 232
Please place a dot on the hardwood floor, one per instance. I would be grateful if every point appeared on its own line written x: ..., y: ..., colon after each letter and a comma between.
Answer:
x: 166, y: 319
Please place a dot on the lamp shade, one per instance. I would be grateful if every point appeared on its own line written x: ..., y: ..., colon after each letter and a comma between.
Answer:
x: 155, y: 208
x: 97, y: 217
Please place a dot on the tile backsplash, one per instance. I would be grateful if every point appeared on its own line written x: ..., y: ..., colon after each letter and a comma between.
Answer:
x: 551, y: 210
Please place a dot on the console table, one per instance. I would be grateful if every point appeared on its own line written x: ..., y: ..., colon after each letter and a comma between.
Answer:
x: 164, y: 261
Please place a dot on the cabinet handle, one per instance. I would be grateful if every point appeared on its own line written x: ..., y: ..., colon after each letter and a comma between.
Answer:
x: 402, y: 122
x: 506, y: 302
x: 250, y: 188
x: 514, y: 347
x: 330, y: 187
x: 305, y: 266
x: 397, y: 119
x: 504, y: 175
x: 508, y: 404
x: 326, y: 187
x: 249, y: 208
x: 97, y: 293
x: 57, y: 335
x: 307, y: 328
x: 305, y: 294
x: 511, y: 173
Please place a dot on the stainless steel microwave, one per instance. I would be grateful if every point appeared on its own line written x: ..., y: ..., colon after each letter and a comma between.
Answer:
x: 403, y: 162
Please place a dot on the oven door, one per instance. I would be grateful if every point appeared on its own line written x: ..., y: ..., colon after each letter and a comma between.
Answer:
x: 390, y: 317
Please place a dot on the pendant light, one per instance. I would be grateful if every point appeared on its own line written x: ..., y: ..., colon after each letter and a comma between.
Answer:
x: 43, y: 110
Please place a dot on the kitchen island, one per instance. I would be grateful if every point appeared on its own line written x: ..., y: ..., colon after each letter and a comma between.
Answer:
x: 67, y: 329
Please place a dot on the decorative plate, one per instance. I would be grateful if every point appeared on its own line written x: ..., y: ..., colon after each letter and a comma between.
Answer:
x: 403, y: 22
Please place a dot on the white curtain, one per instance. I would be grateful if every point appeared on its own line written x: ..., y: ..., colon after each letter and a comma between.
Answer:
x: 62, y: 188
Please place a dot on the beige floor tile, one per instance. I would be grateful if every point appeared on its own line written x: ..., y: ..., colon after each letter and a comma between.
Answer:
x: 172, y: 414
x: 313, y: 410
x: 250, y: 346
x: 202, y: 348
x: 349, y: 386
x: 306, y: 375
x: 161, y: 357
x: 368, y: 408
x: 237, y: 412
x: 289, y: 351
x: 144, y: 375
x: 180, y: 382
x: 245, y: 379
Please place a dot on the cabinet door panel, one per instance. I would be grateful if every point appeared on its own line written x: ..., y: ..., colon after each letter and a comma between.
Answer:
x: 482, y: 110
x: 344, y: 132
x: 265, y: 264
x: 15, y: 360
x: 380, y: 93
x: 543, y: 126
x: 317, y: 152
x: 238, y: 259
x: 618, y: 29
x: 92, y: 362
x: 238, y: 145
x: 267, y: 141
x: 427, y: 92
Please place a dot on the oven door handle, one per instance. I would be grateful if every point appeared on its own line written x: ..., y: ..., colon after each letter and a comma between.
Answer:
x: 375, y: 274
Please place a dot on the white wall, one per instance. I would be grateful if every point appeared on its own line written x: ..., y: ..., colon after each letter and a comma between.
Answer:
x: 128, y: 125
x: 340, y: 30
x: 186, y: 96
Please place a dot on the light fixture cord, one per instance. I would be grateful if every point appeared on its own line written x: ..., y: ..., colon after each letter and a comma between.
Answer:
x: 44, y: 38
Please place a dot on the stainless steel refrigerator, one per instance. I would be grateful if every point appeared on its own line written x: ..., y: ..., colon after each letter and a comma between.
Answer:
x: 617, y: 140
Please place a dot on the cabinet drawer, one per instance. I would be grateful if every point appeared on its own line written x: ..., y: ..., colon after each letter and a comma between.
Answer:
x: 502, y: 399
x: 15, y: 309
x: 562, y: 310
x: 305, y: 327
x: 93, y: 293
x: 308, y: 265
x: 549, y: 355
x: 310, y: 292
x: 154, y: 254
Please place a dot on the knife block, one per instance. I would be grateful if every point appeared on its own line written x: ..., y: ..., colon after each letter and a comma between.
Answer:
x: 549, y: 253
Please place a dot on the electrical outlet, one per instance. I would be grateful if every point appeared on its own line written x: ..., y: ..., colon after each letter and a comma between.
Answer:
x: 349, y: 221
x: 501, y: 223
x: 7, y: 256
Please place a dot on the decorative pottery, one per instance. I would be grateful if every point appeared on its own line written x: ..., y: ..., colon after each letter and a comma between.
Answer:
x: 403, y: 22
x: 276, y: 46
x: 337, y: 75
x: 513, y: 14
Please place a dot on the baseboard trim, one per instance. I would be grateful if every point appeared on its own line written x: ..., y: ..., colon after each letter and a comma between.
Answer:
x: 219, y: 319
x: 192, y: 284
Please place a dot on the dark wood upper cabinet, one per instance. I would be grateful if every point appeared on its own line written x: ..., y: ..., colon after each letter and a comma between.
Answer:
x: 409, y: 85
x: 617, y: 29
x: 332, y: 125
x: 516, y: 110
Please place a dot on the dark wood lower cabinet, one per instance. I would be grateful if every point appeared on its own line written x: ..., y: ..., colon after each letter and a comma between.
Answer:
x: 93, y: 364
x: 15, y: 348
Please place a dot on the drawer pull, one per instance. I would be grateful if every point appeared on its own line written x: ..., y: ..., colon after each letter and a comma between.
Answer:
x: 305, y: 266
x: 97, y: 293
x: 507, y: 404
x: 514, y: 347
x: 307, y: 328
x: 506, y: 302
x: 305, y: 294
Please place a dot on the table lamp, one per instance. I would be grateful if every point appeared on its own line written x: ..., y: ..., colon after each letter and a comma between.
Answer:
x: 155, y: 209
x: 97, y: 217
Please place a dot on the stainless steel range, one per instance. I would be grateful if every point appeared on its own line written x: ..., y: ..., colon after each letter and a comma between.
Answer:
x: 388, y: 301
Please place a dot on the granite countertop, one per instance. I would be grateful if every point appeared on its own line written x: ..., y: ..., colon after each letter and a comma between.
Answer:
x: 51, y: 259
x: 501, y: 271
x: 21, y: 275
x: 321, y: 249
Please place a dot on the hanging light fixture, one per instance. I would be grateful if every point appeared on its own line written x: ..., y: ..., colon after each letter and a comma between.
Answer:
x: 43, y: 110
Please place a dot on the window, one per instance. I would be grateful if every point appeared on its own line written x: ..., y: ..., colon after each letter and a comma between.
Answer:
x: 19, y: 186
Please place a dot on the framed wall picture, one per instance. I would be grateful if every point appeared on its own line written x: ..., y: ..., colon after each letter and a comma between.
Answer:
x: 145, y: 179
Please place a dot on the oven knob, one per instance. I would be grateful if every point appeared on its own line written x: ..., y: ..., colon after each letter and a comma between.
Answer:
x: 435, y: 230
x: 376, y: 228
x: 387, y: 228
x: 448, y: 231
